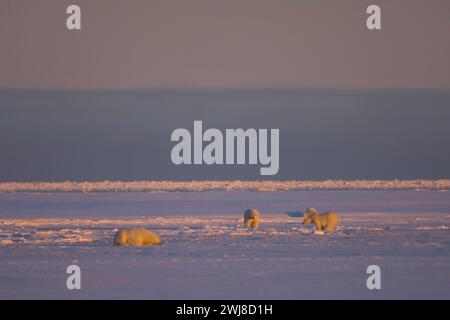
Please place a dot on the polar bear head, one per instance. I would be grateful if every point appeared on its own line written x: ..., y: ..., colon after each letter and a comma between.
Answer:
x: 308, y: 215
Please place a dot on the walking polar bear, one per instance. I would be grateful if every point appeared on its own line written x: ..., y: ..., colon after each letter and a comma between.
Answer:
x: 252, y: 218
x: 324, y: 222
x: 136, y: 237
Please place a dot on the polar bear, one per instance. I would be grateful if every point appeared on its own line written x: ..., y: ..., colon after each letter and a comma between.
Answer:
x: 252, y: 218
x: 325, y: 221
x: 136, y: 237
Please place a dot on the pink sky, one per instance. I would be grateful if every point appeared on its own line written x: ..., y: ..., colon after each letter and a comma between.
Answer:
x: 225, y: 44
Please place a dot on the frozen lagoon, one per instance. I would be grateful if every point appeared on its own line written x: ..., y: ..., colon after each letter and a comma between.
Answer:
x: 207, y: 254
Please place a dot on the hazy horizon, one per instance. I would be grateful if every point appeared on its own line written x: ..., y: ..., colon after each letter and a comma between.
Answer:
x: 125, y: 135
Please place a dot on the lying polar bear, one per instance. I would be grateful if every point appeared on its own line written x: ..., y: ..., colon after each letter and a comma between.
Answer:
x: 136, y: 237
x: 324, y: 222
x: 252, y: 218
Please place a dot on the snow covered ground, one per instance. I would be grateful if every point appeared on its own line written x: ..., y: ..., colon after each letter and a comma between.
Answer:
x: 207, y: 253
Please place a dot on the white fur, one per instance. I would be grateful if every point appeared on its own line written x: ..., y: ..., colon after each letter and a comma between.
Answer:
x: 252, y: 218
x: 136, y: 237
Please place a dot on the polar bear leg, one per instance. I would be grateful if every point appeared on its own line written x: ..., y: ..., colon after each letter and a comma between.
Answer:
x: 318, y: 227
x: 330, y: 227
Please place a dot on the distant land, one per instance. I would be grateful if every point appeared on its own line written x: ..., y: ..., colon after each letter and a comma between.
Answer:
x: 236, y: 185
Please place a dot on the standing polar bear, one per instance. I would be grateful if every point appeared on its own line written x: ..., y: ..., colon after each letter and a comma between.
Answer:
x: 252, y: 218
x: 324, y: 222
x: 136, y: 237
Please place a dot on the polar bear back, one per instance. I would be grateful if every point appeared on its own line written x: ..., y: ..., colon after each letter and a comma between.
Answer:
x: 136, y: 237
x: 329, y: 220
